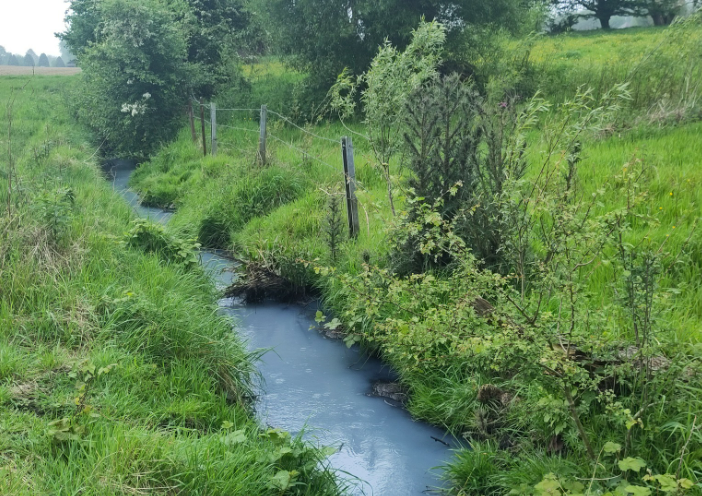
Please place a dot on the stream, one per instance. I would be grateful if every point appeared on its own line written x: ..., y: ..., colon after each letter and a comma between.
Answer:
x: 317, y: 385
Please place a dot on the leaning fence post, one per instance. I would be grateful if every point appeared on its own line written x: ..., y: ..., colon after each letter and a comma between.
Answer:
x: 263, y: 137
x: 213, y: 127
x: 202, y: 120
x: 350, y: 181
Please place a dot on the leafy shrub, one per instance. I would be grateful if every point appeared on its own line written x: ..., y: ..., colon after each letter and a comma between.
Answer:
x: 153, y: 238
x: 55, y: 209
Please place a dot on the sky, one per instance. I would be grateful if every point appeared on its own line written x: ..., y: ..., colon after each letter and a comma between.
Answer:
x: 26, y: 24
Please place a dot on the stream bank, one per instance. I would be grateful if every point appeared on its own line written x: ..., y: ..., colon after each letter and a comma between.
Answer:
x: 317, y: 385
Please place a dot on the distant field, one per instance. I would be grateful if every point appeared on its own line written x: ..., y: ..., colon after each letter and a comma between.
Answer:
x: 8, y: 70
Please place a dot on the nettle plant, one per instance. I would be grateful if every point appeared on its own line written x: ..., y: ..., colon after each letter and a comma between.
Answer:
x: 590, y: 366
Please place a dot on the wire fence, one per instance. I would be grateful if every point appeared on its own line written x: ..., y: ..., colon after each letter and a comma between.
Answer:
x: 264, y: 134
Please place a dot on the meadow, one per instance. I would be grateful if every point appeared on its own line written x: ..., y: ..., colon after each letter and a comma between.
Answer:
x: 280, y: 216
x: 117, y: 374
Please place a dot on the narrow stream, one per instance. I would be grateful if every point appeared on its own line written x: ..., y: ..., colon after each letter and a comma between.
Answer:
x: 318, y: 385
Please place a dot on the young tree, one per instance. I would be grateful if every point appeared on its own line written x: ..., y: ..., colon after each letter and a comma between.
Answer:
x: 603, y: 10
x: 43, y: 61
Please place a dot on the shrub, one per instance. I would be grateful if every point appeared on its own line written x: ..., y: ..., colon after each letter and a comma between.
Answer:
x: 153, y: 238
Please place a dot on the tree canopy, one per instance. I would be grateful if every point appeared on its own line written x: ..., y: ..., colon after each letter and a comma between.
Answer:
x: 43, y: 61
x: 211, y: 29
x: 325, y: 37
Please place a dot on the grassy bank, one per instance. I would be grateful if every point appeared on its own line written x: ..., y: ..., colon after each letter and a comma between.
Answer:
x: 117, y: 375
x: 488, y: 373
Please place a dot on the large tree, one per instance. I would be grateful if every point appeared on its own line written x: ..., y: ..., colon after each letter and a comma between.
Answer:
x: 663, y: 11
x: 212, y: 29
x: 603, y: 10
x: 135, y: 75
x: 323, y: 37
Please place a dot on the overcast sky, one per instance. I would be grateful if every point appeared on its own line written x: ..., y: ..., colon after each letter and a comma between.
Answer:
x: 26, y: 24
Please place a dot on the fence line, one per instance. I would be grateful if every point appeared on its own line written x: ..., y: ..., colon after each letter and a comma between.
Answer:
x: 349, y: 170
x: 238, y: 128
x: 303, y: 129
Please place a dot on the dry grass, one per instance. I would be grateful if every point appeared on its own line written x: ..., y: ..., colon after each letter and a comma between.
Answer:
x: 7, y: 70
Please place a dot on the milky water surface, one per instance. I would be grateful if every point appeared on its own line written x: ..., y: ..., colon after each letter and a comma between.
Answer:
x: 319, y: 386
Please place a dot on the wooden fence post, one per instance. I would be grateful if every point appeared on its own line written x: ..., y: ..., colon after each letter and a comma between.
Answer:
x: 213, y: 127
x: 202, y: 119
x: 192, y: 120
x: 263, y: 137
x: 350, y: 181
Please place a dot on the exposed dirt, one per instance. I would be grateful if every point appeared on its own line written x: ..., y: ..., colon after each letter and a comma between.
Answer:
x: 9, y: 70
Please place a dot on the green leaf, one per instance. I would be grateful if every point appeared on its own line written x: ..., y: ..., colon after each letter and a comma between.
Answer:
x: 227, y: 424
x: 281, y: 480
x: 611, y: 447
x: 686, y: 483
x: 234, y: 438
x: 319, y: 317
x: 638, y: 490
x: 634, y: 464
x: 549, y: 486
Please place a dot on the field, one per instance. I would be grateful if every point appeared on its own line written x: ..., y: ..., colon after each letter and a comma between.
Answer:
x: 6, y: 70
x: 117, y: 376
x: 279, y: 216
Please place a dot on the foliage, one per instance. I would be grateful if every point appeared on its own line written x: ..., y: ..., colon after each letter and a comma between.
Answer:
x: 135, y: 76
x: 111, y: 360
x: 336, y: 226
x: 153, y: 238
x: 43, y: 61
x: 603, y: 10
x: 323, y: 38
x: 55, y: 210
x: 493, y: 357
x: 392, y: 77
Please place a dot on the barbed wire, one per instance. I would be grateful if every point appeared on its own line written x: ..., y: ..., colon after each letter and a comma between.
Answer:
x: 237, y: 110
x: 335, y: 169
x: 226, y: 126
x: 301, y: 128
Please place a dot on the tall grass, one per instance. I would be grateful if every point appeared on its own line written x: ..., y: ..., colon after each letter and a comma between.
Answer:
x: 117, y: 373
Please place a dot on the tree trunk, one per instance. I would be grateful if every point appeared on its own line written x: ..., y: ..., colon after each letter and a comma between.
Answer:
x: 658, y: 19
x: 604, y: 21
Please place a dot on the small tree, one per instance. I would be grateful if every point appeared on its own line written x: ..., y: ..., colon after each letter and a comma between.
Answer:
x: 392, y: 77
x: 59, y: 62
x: 43, y: 61
x: 28, y: 60
x: 603, y: 10
x: 12, y: 60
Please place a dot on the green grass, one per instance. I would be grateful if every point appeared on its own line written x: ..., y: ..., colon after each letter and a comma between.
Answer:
x: 660, y: 65
x: 117, y: 374
x: 657, y: 132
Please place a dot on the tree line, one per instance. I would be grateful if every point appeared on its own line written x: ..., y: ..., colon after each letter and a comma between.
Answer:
x: 30, y: 59
x: 142, y: 60
x: 662, y: 12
